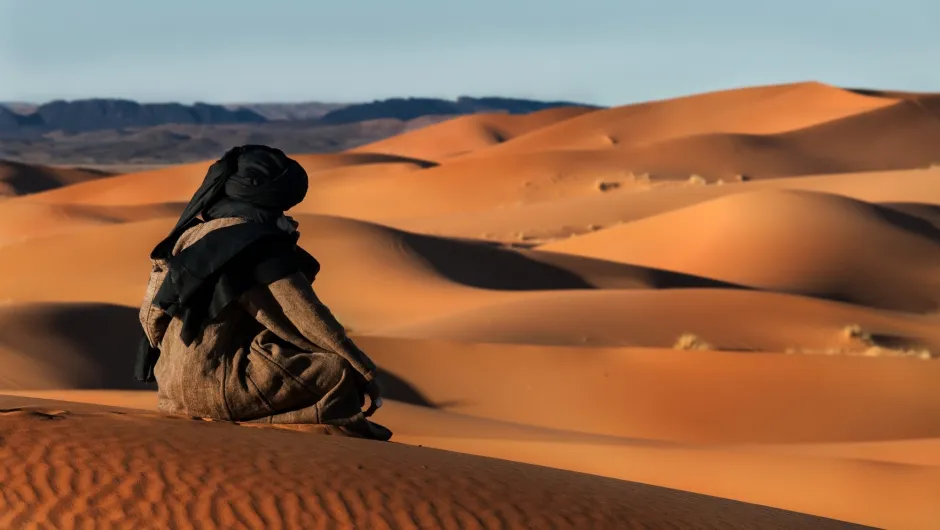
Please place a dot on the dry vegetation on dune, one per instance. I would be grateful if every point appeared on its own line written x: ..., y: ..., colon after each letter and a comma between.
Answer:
x: 732, y: 295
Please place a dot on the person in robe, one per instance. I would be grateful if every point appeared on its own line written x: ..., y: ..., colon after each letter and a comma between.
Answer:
x: 232, y: 328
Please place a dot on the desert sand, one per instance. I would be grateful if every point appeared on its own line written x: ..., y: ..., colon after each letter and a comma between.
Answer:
x: 715, y: 311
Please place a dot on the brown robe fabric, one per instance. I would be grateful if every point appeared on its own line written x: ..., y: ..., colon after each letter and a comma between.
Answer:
x: 277, y: 356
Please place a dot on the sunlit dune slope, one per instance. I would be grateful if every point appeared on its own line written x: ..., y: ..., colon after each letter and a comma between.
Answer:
x: 753, y: 110
x: 177, y: 183
x: 794, y: 241
x: 723, y: 318
x: 467, y: 134
x: 914, y: 191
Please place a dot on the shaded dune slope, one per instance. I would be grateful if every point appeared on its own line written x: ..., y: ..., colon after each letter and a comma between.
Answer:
x: 67, y: 346
x: 22, y: 179
x: 793, y: 241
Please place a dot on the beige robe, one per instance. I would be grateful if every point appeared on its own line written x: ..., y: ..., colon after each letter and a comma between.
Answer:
x: 277, y: 356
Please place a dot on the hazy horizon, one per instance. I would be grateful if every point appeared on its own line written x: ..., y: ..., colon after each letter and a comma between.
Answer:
x: 604, y: 52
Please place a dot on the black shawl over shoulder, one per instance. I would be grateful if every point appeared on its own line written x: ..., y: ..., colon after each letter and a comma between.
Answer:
x: 255, y: 183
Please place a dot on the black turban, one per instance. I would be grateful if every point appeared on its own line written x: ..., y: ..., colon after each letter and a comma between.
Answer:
x: 253, y: 182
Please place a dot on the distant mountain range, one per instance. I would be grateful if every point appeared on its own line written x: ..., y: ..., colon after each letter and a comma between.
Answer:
x: 119, y: 131
x: 19, y: 120
x: 413, y: 108
x: 101, y: 114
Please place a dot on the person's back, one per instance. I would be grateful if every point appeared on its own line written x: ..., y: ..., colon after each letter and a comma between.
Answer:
x: 233, y: 329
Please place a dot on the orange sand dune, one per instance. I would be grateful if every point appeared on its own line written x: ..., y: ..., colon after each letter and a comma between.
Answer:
x: 299, y: 480
x: 473, y: 185
x: 552, y: 289
x: 21, y: 179
x: 481, y: 188
x: 724, y: 318
x: 418, y: 274
x: 902, y: 136
x: 857, y: 486
x: 691, y: 396
x: 696, y: 397
x: 863, y: 489
x: 177, y: 183
x: 467, y: 134
x: 26, y: 219
x: 753, y: 110
x: 553, y: 219
x: 802, y: 242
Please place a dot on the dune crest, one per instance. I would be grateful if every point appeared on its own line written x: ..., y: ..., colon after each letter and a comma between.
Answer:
x: 751, y: 110
x: 468, y: 134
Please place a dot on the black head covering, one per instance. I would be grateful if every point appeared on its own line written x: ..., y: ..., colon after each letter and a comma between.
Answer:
x: 253, y: 182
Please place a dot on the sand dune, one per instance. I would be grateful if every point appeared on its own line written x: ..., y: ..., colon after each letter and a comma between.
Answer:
x: 283, y: 483
x: 851, y: 481
x: 21, y: 220
x: 563, y: 217
x: 753, y: 110
x: 467, y: 134
x: 20, y: 179
x: 902, y: 136
x: 775, y: 322
x: 419, y: 274
x: 67, y: 346
x: 809, y: 243
x: 473, y: 185
x: 897, y: 137
x: 555, y: 289
x: 177, y: 183
x: 681, y: 396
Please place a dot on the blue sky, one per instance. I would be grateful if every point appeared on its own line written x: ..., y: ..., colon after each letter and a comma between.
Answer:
x: 599, y: 51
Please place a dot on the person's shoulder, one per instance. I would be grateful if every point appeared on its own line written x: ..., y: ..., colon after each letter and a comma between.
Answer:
x: 202, y: 229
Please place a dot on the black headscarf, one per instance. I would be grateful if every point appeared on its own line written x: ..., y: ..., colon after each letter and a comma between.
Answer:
x: 253, y: 182
x: 256, y: 182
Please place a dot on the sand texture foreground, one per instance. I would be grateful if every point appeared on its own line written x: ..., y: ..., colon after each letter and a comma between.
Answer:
x: 717, y: 311
x: 83, y: 466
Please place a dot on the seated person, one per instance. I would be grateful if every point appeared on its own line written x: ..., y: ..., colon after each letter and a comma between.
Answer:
x: 232, y: 327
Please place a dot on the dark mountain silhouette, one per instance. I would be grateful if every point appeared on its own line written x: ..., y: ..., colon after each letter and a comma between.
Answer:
x: 411, y: 108
x: 9, y: 121
x: 100, y: 114
x: 311, y: 110
x: 118, y: 131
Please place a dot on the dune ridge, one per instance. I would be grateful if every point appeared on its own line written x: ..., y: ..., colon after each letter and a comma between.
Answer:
x: 467, y: 134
